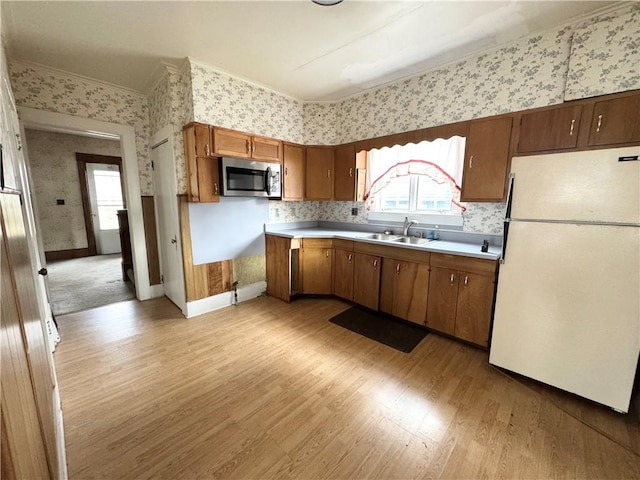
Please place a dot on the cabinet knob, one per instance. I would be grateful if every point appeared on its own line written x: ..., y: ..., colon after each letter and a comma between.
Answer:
x: 327, y: 253
x: 453, y: 277
x: 375, y: 263
x: 286, y: 171
x: 466, y: 279
x: 328, y: 173
x: 215, y: 189
x: 573, y: 122
x: 248, y: 147
x: 471, y: 161
x: 253, y: 148
x: 351, y: 172
x: 350, y: 256
x: 397, y: 268
x: 599, y: 123
x: 207, y: 152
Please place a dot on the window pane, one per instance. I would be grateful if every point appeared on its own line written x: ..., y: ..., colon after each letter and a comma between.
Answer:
x: 433, y: 196
x: 107, y: 216
x: 395, y: 196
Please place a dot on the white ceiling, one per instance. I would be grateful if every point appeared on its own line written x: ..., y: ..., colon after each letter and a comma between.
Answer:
x: 298, y: 48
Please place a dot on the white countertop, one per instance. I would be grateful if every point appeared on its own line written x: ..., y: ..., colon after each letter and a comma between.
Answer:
x: 436, y: 246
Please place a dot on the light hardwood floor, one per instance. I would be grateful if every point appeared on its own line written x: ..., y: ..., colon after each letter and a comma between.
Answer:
x: 274, y: 390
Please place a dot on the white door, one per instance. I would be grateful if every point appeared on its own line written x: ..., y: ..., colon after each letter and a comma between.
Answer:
x: 166, y: 201
x: 105, y: 197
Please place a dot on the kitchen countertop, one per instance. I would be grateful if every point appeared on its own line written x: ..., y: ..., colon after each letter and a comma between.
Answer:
x: 436, y: 246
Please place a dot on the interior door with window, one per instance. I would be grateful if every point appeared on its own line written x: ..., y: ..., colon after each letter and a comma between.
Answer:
x: 105, y: 198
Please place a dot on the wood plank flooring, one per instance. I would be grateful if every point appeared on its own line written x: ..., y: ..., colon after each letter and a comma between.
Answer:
x: 273, y: 390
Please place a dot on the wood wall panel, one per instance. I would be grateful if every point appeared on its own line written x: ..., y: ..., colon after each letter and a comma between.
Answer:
x: 54, y: 255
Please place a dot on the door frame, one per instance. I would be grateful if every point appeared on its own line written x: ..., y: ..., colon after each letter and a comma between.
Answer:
x: 60, y: 122
x: 82, y: 159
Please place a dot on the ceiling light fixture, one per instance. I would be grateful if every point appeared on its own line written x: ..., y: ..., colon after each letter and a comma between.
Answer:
x: 327, y: 3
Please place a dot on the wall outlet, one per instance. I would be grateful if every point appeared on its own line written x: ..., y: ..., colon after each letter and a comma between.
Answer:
x: 60, y: 202
x: 354, y: 211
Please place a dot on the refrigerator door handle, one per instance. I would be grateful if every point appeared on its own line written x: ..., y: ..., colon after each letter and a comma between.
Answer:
x: 507, y: 218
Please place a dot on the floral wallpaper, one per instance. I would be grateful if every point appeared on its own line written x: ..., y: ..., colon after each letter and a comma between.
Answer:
x: 225, y: 101
x: 53, y: 155
x: 605, y: 57
x: 159, y: 101
x: 320, y: 121
x: 48, y: 89
x: 341, y: 212
x: 287, y: 212
x: 484, y: 218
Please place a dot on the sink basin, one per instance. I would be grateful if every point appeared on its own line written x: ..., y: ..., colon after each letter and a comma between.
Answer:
x: 381, y: 236
x: 413, y: 240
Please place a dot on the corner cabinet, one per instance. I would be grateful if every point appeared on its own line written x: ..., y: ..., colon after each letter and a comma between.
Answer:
x: 461, y: 297
x: 317, y: 266
x: 292, y: 172
x: 203, y: 176
x: 486, y: 160
x: 282, y: 266
x: 318, y: 173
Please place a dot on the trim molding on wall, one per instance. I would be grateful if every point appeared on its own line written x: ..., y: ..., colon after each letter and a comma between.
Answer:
x: 209, y: 304
x: 66, y: 254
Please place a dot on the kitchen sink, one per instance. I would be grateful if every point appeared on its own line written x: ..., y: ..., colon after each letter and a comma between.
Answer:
x: 381, y: 236
x: 413, y: 240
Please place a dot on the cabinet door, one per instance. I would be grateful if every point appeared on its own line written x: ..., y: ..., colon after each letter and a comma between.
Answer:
x: 278, y: 264
x: 316, y: 270
x: 387, y: 282
x: 554, y: 129
x: 203, y: 140
x: 231, y: 143
x: 410, y: 289
x: 208, y: 179
x: 266, y: 149
x: 615, y: 121
x: 486, y: 160
x: 344, y: 182
x: 293, y: 172
x: 475, y: 302
x: 343, y: 274
x: 366, y: 280
x: 443, y: 295
x: 319, y: 173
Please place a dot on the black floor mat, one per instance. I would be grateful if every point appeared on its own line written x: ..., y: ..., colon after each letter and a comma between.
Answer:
x: 393, y: 333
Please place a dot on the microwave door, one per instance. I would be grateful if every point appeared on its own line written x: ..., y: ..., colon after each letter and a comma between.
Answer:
x: 244, y: 181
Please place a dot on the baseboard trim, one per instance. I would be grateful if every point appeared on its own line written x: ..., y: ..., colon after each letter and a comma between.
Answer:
x: 209, y: 304
x: 66, y: 254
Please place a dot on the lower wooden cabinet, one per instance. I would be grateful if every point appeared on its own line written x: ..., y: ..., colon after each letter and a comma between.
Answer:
x: 317, y: 266
x: 343, y: 273
x: 403, y: 289
x: 366, y: 280
x: 461, y: 301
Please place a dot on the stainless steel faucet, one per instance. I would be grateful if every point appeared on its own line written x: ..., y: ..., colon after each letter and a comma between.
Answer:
x: 407, y: 225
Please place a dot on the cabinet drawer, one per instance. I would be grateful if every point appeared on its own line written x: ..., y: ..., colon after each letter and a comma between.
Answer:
x: 343, y: 244
x: 467, y: 264
x: 316, y: 242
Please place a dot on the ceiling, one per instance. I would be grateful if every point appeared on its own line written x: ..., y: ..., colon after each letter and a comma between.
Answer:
x: 301, y: 49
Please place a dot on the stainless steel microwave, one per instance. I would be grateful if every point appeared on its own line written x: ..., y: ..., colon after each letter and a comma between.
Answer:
x: 248, y: 178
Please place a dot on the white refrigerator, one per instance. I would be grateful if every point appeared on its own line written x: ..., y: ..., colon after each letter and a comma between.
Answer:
x: 568, y: 299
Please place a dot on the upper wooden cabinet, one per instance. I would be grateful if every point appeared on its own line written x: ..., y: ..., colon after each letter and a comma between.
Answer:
x: 486, y: 160
x: 554, y: 129
x: 292, y: 172
x: 345, y: 168
x: 319, y: 173
x: 203, y: 183
x: 238, y: 144
x: 615, y: 121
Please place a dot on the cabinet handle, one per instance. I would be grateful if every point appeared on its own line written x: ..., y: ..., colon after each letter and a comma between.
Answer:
x: 207, y: 152
x: 453, y: 277
x: 350, y: 256
x: 248, y: 147
x: 599, y: 123
x: 215, y: 189
x: 573, y: 122
x: 328, y: 173
x: 253, y: 148
x: 397, y: 268
x: 466, y: 279
x: 351, y: 172
x: 327, y: 253
x: 375, y: 263
x: 286, y: 171
x: 471, y: 161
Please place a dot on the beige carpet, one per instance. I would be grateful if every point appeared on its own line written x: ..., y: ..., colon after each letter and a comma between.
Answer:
x: 84, y: 283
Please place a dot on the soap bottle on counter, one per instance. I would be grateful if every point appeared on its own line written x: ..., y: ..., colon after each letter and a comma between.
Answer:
x: 436, y: 233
